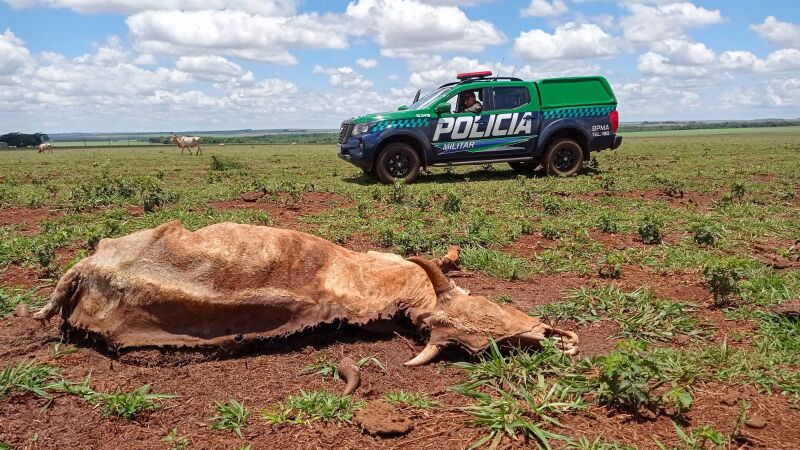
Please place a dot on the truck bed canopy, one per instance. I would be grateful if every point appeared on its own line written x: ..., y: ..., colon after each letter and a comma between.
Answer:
x: 575, y: 91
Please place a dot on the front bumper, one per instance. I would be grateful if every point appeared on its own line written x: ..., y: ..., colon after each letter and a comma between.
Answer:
x: 617, y: 142
x: 353, y: 152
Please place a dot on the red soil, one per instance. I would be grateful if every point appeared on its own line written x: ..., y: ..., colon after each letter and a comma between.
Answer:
x: 27, y: 219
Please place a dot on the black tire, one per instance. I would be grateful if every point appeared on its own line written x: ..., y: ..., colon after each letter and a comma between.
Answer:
x: 397, y: 162
x: 524, y: 167
x: 563, y: 158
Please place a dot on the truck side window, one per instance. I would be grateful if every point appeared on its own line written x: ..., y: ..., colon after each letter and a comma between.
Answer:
x: 457, y: 101
x: 510, y: 97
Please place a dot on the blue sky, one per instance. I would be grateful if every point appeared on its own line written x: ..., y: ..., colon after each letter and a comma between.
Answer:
x: 169, y: 65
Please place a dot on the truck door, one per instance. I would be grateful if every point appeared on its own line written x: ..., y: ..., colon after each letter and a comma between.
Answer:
x: 505, y: 127
x: 519, y: 106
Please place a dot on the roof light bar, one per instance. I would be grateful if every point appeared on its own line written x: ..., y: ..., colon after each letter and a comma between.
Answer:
x: 467, y: 75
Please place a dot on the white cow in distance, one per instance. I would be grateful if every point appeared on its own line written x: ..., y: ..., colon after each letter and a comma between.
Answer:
x: 45, y: 147
x: 187, y: 142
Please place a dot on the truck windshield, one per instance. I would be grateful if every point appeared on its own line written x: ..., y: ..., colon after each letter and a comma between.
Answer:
x: 429, y: 99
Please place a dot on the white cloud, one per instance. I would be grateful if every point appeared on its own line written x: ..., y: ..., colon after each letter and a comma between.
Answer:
x: 367, y: 63
x: 651, y: 63
x: 777, y: 32
x: 265, y: 7
x: 15, y: 56
x: 410, y: 28
x: 738, y: 59
x: 780, y: 94
x: 689, y: 60
x: 236, y: 33
x: 345, y: 77
x: 784, y: 93
x: 212, y: 68
x: 684, y: 51
x: 656, y: 98
x: 653, y: 23
x: 544, y: 8
x: 569, y: 41
x: 92, y: 92
x: 787, y: 59
x: 145, y: 59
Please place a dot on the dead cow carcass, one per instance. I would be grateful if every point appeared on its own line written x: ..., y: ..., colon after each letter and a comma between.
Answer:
x: 230, y: 284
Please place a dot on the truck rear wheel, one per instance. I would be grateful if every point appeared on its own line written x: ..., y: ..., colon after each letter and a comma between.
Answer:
x: 397, y: 162
x: 564, y: 158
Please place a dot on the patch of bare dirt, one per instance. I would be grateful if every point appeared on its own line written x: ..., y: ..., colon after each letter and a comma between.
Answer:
x: 714, y: 404
x: 27, y: 220
x: 776, y: 254
x: 764, y: 177
x: 694, y: 200
x: 285, y: 210
x: 18, y: 276
x: 530, y: 245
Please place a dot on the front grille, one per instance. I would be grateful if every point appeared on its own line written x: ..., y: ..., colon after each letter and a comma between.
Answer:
x: 344, y: 132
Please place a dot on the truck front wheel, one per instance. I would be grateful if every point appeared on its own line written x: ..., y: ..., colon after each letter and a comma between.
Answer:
x: 564, y: 157
x: 396, y: 162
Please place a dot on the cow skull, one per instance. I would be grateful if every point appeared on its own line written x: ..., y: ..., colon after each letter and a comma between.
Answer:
x: 471, y: 321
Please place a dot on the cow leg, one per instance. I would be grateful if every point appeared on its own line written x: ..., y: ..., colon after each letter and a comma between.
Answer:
x: 65, y: 289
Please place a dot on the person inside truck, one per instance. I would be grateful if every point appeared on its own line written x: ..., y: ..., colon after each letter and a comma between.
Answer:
x: 471, y: 104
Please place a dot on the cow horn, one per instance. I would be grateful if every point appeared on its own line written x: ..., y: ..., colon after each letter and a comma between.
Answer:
x: 427, y: 355
x: 348, y: 369
x: 440, y: 283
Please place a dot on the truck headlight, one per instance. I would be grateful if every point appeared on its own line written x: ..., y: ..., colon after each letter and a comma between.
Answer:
x: 360, y: 128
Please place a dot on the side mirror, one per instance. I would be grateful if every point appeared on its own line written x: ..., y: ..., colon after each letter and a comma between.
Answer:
x: 402, y: 108
x: 443, y: 108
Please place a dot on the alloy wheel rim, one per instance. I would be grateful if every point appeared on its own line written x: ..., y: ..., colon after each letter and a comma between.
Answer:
x: 565, y: 158
x: 398, y: 165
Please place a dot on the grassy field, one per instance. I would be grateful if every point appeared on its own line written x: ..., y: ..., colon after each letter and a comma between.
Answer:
x: 665, y: 256
x: 110, y: 143
x: 716, y: 131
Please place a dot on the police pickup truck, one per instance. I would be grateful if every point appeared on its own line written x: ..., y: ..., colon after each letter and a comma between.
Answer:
x: 553, y: 123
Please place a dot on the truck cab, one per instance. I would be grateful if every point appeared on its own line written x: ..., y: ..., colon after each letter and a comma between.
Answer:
x: 554, y: 124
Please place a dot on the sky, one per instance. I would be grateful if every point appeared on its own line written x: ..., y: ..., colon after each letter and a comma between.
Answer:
x: 173, y: 65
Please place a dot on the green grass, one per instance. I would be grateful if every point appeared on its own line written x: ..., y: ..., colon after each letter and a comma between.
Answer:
x: 307, y: 407
x: 128, y: 405
x: 639, y: 314
x: 10, y: 298
x: 175, y: 440
x: 713, y: 132
x: 323, y: 367
x: 230, y: 416
x: 584, y: 443
x: 417, y: 400
x: 28, y: 377
x: 494, y: 263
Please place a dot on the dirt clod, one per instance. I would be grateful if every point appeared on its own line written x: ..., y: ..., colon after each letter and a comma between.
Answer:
x: 251, y: 196
x: 756, y: 421
x: 22, y: 310
x: 730, y: 399
x: 790, y: 308
x: 382, y: 419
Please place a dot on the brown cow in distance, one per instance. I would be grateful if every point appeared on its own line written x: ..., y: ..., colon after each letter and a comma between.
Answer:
x: 231, y: 284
